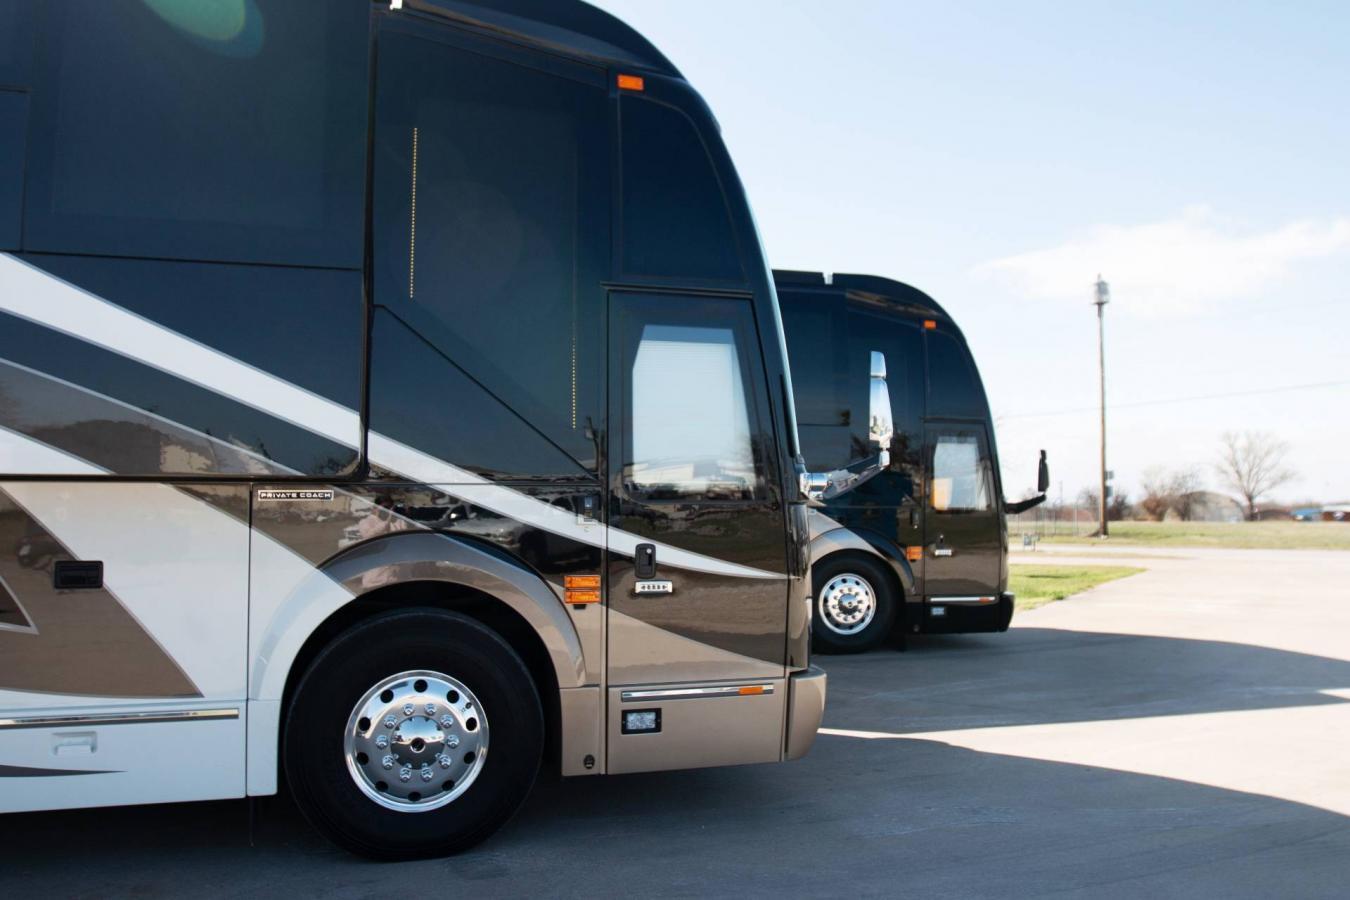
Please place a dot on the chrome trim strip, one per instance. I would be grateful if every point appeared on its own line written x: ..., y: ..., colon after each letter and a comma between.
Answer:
x: 138, y: 718
x: 724, y: 690
x: 968, y: 601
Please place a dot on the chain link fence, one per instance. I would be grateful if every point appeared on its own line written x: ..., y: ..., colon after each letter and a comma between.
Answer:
x: 1049, y: 521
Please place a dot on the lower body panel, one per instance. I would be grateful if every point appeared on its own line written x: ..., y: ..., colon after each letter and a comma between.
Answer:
x: 723, y: 724
x: 136, y: 756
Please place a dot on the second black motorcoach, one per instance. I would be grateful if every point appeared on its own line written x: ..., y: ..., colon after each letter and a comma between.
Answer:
x: 919, y: 541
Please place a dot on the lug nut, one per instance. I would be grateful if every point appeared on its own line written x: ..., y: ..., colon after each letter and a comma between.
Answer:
x: 387, y: 762
x: 382, y: 741
x: 447, y: 722
x: 390, y: 721
x: 405, y: 773
x: 430, y: 708
x: 427, y: 773
x: 408, y: 709
x: 452, y: 742
x: 444, y: 761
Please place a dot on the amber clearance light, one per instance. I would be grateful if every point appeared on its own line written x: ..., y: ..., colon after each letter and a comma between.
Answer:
x: 632, y: 83
x: 581, y: 589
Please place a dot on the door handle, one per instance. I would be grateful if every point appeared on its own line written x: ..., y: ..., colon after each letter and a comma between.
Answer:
x: 940, y: 548
x: 644, y: 561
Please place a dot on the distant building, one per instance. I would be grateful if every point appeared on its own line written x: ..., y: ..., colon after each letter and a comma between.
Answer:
x: 1208, y: 506
x: 1336, y: 512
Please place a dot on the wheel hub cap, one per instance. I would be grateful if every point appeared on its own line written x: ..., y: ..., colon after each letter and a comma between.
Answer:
x: 847, y: 604
x: 416, y: 741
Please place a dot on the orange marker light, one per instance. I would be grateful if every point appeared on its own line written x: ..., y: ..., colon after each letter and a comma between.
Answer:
x: 752, y: 689
x: 913, y: 554
x: 581, y: 597
x: 571, y: 582
x: 929, y: 324
x: 632, y: 83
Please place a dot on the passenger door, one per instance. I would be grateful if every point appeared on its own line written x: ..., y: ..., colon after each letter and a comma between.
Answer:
x: 962, y: 543
x: 697, y: 584
x: 690, y: 480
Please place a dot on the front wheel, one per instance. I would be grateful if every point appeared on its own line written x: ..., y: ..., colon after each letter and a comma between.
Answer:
x: 854, y: 607
x: 417, y: 733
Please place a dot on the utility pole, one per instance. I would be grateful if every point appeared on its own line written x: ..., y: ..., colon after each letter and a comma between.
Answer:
x: 1103, y: 298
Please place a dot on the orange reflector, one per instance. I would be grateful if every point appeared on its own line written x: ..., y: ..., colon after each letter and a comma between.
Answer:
x: 752, y: 689
x: 631, y: 83
x: 581, y: 581
x: 579, y: 597
x: 930, y: 324
x: 913, y: 554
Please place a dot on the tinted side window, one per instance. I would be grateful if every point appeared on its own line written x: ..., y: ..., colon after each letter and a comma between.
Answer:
x: 901, y: 342
x: 674, y: 220
x: 818, y: 354
x: 13, y: 129
x: 16, y: 41
x: 492, y: 208
x: 954, y: 387
x: 209, y: 131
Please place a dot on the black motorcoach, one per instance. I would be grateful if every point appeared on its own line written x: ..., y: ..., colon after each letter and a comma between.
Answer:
x: 918, y: 543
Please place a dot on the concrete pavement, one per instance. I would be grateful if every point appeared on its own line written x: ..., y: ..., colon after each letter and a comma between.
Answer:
x: 1183, y: 732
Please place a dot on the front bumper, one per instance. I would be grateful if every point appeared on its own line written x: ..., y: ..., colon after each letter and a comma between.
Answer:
x: 968, y: 618
x: 806, y: 707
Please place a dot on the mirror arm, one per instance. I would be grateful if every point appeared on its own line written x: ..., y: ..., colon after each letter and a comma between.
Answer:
x: 1020, y: 506
x: 820, y: 487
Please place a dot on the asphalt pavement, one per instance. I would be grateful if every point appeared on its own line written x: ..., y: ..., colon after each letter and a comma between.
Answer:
x: 1184, y: 732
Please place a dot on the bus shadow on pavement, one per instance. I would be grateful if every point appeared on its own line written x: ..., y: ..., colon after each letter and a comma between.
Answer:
x: 855, y: 817
x: 1032, y: 676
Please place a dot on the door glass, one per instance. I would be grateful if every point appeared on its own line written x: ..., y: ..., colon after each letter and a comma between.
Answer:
x: 960, y: 474
x: 689, y: 414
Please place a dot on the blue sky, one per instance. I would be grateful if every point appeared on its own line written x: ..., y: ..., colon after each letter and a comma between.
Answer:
x: 999, y: 155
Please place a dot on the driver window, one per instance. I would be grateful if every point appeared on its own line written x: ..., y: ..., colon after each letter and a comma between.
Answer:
x: 690, y: 418
x: 960, y: 474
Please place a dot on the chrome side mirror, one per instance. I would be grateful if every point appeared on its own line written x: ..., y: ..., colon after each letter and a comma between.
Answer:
x: 817, y: 487
x: 880, y: 426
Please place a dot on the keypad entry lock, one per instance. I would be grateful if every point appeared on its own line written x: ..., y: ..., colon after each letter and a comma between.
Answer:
x: 644, y: 561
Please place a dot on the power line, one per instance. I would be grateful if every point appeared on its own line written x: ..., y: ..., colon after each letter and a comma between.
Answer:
x: 1319, y: 385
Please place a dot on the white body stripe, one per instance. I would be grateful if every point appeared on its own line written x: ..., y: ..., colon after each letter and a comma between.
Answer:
x: 40, y: 297
x: 419, y: 467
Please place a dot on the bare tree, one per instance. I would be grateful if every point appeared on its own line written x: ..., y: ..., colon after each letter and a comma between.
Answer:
x: 1157, y: 498
x: 1118, y: 507
x: 1170, y: 491
x: 1252, y: 464
x: 1185, y: 486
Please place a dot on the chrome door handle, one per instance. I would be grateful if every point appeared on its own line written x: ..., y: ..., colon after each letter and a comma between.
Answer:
x: 943, y: 551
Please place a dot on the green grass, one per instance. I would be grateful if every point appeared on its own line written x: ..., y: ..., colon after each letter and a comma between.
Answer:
x: 1038, y: 585
x: 1240, y: 535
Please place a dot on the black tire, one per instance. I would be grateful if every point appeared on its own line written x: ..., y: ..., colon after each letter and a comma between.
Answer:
x: 362, y: 657
x: 871, y: 577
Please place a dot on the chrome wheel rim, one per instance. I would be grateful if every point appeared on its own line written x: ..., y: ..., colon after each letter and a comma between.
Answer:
x: 847, y: 604
x: 416, y: 741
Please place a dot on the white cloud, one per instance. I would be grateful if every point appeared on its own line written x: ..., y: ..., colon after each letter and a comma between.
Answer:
x: 1181, y: 265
